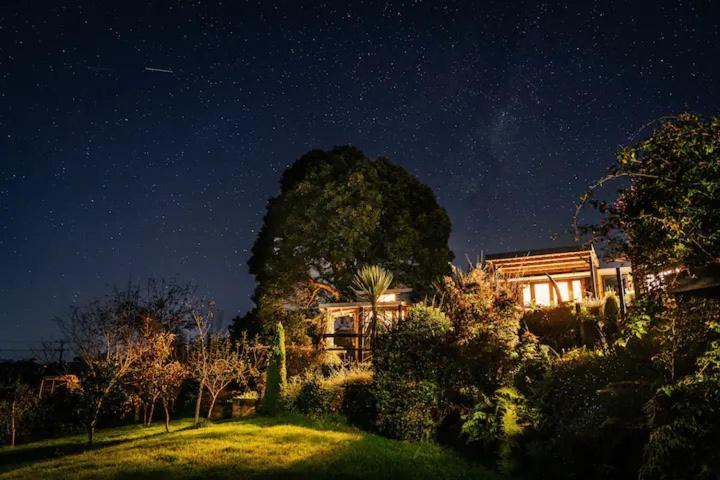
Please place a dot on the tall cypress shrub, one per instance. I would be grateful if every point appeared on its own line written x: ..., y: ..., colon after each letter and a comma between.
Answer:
x: 276, y: 373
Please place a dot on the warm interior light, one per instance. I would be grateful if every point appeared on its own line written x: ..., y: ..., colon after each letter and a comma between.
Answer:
x: 542, y: 294
x: 527, y: 296
x: 564, y: 291
x: 388, y: 297
x: 577, y: 290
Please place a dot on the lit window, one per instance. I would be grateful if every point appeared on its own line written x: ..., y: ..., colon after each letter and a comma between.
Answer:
x: 564, y: 291
x: 388, y: 297
x: 527, y: 296
x: 577, y: 290
x: 542, y: 294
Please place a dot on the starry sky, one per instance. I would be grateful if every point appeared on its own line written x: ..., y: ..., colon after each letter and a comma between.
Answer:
x: 144, y: 138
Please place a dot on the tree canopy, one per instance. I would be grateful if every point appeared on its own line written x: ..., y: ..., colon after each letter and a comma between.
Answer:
x: 338, y: 210
x: 670, y: 213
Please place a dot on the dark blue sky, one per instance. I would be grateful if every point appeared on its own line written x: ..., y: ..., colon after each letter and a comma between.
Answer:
x: 110, y: 170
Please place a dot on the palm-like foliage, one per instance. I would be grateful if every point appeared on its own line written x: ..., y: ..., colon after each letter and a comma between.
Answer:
x: 372, y: 281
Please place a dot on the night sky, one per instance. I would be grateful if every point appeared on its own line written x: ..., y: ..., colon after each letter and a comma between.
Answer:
x: 144, y: 139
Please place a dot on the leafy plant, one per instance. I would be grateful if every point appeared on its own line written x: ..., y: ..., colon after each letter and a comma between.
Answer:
x: 668, y: 215
x: 410, y: 367
x: 336, y: 211
x: 276, y: 374
x: 372, y: 281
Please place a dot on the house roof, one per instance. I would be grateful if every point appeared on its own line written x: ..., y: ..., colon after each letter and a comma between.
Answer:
x: 546, y: 261
x: 703, y: 282
x: 540, y: 251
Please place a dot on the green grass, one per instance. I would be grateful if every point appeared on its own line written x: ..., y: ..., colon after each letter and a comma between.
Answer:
x: 260, y: 447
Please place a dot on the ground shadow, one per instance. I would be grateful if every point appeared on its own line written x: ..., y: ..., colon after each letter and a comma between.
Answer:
x: 11, y: 458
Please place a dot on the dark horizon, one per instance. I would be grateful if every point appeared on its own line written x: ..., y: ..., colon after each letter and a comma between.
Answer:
x: 144, y: 140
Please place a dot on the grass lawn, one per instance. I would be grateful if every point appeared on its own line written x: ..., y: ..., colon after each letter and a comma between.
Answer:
x: 281, y: 447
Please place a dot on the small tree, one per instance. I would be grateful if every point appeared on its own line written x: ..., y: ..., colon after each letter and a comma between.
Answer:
x: 17, y: 402
x: 149, y: 376
x: 224, y: 365
x: 198, y: 358
x: 105, y: 337
x: 486, y: 325
x: 276, y: 373
x: 169, y: 380
x: 372, y: 282
x: 668, y: 215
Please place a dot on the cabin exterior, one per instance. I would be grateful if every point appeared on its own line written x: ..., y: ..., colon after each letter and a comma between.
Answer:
x: 50, y: 383
x: 541, y: 278
x: 347, y: 325
x: 554, y: 276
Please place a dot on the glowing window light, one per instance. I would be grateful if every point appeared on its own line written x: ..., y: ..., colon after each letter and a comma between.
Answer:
x: 577, y: 290
x: 388, y: 297
x: 527, y: 295
x: 564, y: 291
x: 542, y: 294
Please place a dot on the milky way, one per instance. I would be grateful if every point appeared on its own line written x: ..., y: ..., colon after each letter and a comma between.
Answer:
x: 144, y: 140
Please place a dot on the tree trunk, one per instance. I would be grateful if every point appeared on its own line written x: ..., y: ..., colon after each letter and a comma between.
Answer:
x: 91, y: 432
x: 152, y: 412
x: 198, y: 402
x: 93, y: 420
x: 373, y: 325
x: 12, y: 423
x: 167, y: 416
x: 212, y: 405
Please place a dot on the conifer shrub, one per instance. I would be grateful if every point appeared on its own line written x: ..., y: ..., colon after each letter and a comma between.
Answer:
x: 276, y: 374
x: 611, y: 314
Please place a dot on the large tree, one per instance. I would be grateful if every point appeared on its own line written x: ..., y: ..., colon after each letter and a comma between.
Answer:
x: 338, y: 210
x: 669, y: 214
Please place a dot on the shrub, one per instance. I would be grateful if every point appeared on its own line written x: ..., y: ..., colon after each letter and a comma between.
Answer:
x: 563, y: 327
x: 591, y: 416
x: 556, y: 326
x: 409, y: 410
x: 611, y: 315
x: 342, y: 391
x: 534, y: 363
x: 685, y: 421
x: 317, y: 397
x: 497, y: 423
x: 410, y: 365
x: 276, y: 374
x: 300, y: 358
x: 359, y: 404
x: 685, y: 431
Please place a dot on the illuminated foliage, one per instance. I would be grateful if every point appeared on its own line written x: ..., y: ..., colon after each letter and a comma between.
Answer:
x: 276, y: 377
x: 670, y: 213
x: 338, y: 210
x: 371, y: 282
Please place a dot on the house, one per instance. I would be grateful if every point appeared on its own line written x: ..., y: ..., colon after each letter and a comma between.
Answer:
x: 50, y: 383
x: 703, y: 282
x: 544, y: 277
x: 347, y: 325
x: 552, y: 276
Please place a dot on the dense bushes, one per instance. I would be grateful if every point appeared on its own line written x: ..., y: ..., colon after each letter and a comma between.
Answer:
x: 590, y: 416
x: 564, y: 327
x: 359, y: 403
x: 685, y: 431
x: 344, y: 390
x: 557, y: 326
x: 410, y: 365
